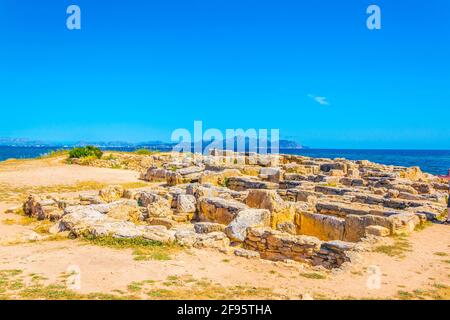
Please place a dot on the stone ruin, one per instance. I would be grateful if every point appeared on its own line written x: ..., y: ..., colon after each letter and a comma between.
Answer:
x: 284, y: 207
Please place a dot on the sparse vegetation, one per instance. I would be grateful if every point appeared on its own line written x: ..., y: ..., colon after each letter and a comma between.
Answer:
x: 331, y: 184
x: 172, y: 168
x: 10, y: 193
x: 13, y: 285
x: 441, y: 254
x: 438, y: 292
x: 422, y: 226
x: 143, y: 249
x: 87, y: 161
x: 312, y: 275
x: 9, y: 222
x: 54, y: 154
x: 187, y: 287
x: 109, y: 157
x: 146, y: 152
x: 40, y: 226
x: 225, y: 182
x: 397, y: 249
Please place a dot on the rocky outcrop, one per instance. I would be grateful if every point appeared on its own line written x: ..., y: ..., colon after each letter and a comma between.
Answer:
x: 280, y: 211
x: 189, y: 238
x: 161, y: 207
x: 237, y: 229
x: 270, y: 174
x: 184, y: 175
x: 42, y: 209
x: 324, y: 227
x: 291, y: 207
x: 219, y: 178
x: 208, y: 227
x: 278, y: 246
x: 243, y: 183
x: 186, y: 203
x: 154, y: 174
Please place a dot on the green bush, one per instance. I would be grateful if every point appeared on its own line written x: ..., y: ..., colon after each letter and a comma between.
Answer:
x: 83, y: 152
x: 145, y: 152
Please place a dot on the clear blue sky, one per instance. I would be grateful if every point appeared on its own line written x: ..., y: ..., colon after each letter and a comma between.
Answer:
x: 139, y: 69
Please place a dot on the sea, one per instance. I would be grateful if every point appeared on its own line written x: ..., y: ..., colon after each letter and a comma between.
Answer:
x: 432, y: 161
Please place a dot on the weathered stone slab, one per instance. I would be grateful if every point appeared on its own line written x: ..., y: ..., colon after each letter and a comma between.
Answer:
x: 324, y: 227
x: 218, y: 177
x: 214, y: 209
x: 208, y: 227
x: 242, y: 183
x: 270, y: 174
x: 355, y: 225
x: 332, y: 190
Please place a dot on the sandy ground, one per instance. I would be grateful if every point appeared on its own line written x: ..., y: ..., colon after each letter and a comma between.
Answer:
x: 46, y: 172
x: 105, y: 269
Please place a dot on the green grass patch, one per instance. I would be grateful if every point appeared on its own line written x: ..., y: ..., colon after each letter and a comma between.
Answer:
x: 398, y: 249
x: 437, y: 292
x: 143, y: 249
x: 225, y: 182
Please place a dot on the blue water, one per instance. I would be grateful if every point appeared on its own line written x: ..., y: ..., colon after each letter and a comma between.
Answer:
x: 432, y: 161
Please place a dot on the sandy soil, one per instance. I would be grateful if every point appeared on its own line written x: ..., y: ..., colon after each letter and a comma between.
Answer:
x: 46, y: 172
x: 105, y: 269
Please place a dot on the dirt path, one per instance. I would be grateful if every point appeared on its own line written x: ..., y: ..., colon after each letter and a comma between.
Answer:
x: 46, y: 172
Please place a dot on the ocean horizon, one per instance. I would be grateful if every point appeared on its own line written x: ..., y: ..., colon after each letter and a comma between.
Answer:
x: 436, y: 162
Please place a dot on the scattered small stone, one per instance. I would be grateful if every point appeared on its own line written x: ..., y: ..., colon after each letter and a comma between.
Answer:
x: 249, y: 254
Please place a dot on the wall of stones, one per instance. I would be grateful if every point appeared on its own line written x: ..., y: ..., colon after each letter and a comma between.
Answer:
x: 278, y: 246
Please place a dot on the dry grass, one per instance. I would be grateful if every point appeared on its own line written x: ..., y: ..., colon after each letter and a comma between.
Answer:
x: 186, y: 287
x: 423, y: 226
x: 437, y: 292
x: 15, y: 285
x: 39, y: 226
x: 398, y: 249
x: 143, y: 249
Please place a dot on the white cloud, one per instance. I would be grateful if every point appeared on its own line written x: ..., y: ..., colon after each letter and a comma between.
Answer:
x: 320, y: 100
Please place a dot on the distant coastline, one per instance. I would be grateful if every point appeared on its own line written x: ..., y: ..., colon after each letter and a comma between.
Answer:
x: 432, y: 161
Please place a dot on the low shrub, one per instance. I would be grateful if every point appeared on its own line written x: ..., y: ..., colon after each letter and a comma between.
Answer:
x: 83, y: 152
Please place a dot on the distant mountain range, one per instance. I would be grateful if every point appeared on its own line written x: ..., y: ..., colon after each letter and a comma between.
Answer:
x: 160, y: 145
